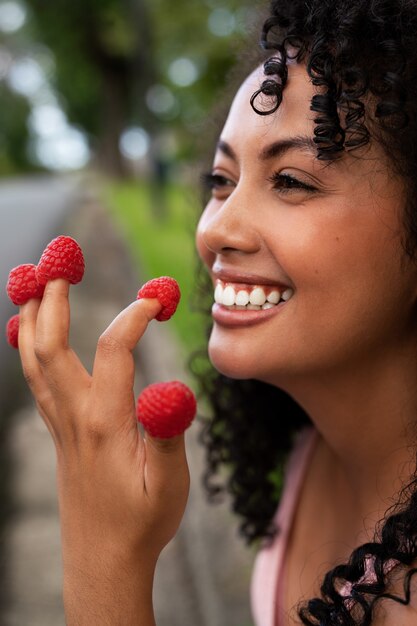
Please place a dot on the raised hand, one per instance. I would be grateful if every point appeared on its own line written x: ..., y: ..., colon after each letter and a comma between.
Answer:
x: 121, y: 496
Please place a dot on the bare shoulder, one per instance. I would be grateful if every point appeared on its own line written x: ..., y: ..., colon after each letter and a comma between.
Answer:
x: 389, y: 612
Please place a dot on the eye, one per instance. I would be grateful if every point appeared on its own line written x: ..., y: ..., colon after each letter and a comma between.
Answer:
x: 212, y: 181
x: 286, y: 183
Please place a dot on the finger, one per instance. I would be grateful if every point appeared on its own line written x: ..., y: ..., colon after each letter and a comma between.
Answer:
x: 166, y: 469
x: 113, y: 372
x: 31, y: 369
x: 61, y: 367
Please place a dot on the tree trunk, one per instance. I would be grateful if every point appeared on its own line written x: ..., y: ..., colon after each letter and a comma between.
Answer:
x: 113, y: 122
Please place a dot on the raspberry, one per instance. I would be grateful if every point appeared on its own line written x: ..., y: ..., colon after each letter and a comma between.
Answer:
x: 62, y: 258
x: 22, y: 286
x: 12, y: 331
x: 167, y: 291
x: 166, y: 409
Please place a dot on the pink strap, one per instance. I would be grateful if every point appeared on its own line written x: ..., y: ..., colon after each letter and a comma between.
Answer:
x: 270, y: 560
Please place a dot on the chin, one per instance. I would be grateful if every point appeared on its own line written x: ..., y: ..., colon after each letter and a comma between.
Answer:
x: 228, y: 366
x: 234, y: 356
x: 238, y: 367
x: 233, y: 360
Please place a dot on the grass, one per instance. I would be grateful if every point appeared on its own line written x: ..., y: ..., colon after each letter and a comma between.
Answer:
x: 163, y: 246
x: 159, y: 229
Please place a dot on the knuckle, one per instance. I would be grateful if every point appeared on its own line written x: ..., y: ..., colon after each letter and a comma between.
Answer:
x: 108, y: 345
x: 44, y: 353
x: 95, y: 433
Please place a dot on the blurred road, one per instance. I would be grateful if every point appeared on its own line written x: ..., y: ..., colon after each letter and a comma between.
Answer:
x: 31, y: 210
x: 203, y: 575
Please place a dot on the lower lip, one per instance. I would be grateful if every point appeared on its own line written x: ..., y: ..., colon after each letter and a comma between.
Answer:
x: 233, y: 318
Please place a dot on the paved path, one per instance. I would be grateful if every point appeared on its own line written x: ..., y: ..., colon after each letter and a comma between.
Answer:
x: 31, y: 210
x: 203, y: 575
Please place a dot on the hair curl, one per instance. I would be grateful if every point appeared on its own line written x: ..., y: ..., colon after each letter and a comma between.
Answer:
x: 362, y: 57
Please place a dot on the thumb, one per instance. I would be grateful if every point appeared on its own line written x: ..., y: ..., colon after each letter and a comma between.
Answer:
x: 167, y: 483
x: 167, y: 477
x: 166, y: 410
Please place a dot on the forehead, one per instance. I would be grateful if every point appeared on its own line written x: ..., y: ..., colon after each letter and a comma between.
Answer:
x: 292, y: 118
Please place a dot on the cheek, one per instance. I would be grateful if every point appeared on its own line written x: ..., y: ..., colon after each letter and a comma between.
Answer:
x: 326, y: 247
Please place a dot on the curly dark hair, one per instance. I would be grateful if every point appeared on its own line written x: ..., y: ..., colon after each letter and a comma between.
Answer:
x: 362, y: 54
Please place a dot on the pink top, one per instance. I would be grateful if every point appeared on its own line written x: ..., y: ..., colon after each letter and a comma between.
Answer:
x: 267, y: 592
x: 267, y: 578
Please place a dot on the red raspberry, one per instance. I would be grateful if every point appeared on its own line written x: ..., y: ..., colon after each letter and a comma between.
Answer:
x: 166, y: 409
x: 22, y: 286
x: 62, y: 258
x: 167, y: 291
x: 12, y: 331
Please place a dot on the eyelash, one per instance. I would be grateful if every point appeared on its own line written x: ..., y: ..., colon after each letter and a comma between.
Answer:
x: 292, y: 184
x: 281, y: 182
x: 213, y: 181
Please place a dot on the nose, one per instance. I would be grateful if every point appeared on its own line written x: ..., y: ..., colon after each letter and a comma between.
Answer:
x: 227, y: 228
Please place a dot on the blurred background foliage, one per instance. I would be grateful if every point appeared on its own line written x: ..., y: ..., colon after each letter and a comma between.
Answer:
x: 122, y: 98
x: 124, y: 84
x: 126, y: 89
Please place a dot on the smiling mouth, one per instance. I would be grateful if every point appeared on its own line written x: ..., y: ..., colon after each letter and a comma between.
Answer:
x: 241, y: 297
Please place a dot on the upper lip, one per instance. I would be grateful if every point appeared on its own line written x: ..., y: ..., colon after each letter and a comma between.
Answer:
x: 229, y: 275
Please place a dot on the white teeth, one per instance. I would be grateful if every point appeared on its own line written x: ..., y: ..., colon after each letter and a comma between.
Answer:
x: 218, y: 294
x: 257, y: 296
x: 252, y: 301
x: 273, y: 297
x: 242, y: 298
x: 287, y: 294
x: 228, y: 297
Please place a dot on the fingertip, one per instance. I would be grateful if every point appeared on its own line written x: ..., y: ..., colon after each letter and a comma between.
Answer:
x: 167, y: 291
x: 29, y: 309
x: 150, y: 307
x: 58, y: 286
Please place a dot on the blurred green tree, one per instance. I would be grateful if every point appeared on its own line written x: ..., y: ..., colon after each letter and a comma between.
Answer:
x: 101, y: 47
x: 14, y: 111
x: 211, y: 35
x: 156, y: 64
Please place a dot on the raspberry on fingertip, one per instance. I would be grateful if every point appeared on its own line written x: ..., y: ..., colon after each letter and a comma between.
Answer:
x: 22, y: 284
x: 166, y: 290
x: 166, y: 409
x: 62, y: 258
x: 12, y: 331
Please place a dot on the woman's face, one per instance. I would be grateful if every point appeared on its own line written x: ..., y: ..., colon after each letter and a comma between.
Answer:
x: 325, y: 237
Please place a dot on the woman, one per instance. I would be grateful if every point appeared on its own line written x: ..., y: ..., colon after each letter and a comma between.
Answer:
x: 311, y: 219
x: 344, y: 72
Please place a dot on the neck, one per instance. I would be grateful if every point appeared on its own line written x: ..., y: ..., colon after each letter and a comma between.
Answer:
x: 366, y: 417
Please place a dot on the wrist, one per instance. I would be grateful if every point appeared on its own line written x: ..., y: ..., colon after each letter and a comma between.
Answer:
x: 104, y: 587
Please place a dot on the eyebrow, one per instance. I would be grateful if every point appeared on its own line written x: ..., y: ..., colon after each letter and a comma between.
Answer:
x: 275, y: 149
